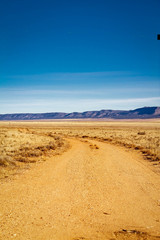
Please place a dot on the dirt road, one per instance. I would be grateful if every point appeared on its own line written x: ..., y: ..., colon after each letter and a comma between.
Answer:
x: 87, y: 193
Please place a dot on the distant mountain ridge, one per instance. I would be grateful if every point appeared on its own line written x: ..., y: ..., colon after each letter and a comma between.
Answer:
x: 139, y: 113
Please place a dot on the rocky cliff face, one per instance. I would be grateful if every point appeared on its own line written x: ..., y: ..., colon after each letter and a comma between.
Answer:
x: 139, y: 113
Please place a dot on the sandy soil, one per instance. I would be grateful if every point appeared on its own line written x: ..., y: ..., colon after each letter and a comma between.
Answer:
x: 90, y: 193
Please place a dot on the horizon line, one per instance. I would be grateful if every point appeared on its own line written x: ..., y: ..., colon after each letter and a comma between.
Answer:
x: 84, y: 111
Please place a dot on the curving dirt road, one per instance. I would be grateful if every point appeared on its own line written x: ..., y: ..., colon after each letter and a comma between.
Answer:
x: 87, y: 193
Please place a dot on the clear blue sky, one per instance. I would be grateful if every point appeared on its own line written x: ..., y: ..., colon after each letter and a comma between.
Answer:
x: 77, y: 55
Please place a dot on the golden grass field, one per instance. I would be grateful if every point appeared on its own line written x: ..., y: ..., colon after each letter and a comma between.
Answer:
x: 20, y: 147
x: 28, y: 142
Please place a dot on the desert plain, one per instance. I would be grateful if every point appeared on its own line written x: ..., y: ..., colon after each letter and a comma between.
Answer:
x: 74, y: 180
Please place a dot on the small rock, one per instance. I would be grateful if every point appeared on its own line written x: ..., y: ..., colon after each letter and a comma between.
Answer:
x: 106, y: 213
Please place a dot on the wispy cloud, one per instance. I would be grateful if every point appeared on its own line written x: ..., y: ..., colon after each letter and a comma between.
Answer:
x: 22, y: 91
x: 80, y: 78
x: 41, y: 102
x: 63, y: 105
x: 75, y: 91
x: 78, y: 92
x: 74, y: 74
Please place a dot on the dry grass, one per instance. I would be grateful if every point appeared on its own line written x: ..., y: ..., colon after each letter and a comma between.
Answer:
x: 146, y: 140
x: 20, y: 147
x: 23, y: 142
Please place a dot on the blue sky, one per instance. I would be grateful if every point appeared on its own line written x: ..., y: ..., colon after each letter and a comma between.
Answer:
x: 79, y: 55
